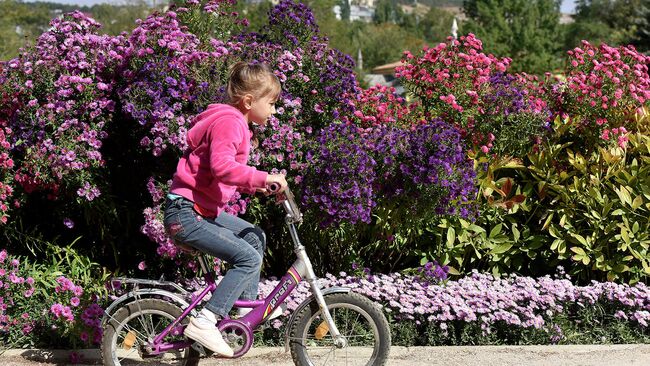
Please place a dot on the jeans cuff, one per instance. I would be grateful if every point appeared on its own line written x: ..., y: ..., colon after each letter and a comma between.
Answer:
x: 217, y: 311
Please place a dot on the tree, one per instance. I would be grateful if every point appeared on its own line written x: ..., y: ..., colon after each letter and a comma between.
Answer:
x: 642, y: 37
x: 388, y: 11
x: 385, y: 43
x: 20, y: 23
x: 614, y: 22
x: 435, y: 26
x: 116, y: 19
x: 345, y: 10
x: 528, y: 31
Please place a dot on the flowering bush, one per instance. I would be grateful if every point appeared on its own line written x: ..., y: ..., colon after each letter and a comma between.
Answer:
x: 423, y: 166
x: 380, y: 105
x: 519, y: 120
x: 493, y: 110
x: 40, y: 307
x: 62, y: 106
x: 162, y: 81
x: 480, y: 305
x: 605, y: 87
x: 450, y: 78
x: 6, y: 171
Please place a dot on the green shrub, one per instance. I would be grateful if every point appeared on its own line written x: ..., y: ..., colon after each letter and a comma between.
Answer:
x: 589, y: 211
x: 51, y: 304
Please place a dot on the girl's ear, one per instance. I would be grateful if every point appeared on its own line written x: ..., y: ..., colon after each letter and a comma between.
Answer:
x: 247, y: 101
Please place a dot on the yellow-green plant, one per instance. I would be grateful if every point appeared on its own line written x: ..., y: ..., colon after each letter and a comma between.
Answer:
x: 597, y: 205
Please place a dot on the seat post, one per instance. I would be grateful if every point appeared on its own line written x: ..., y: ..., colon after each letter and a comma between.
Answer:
x: 203, y: 262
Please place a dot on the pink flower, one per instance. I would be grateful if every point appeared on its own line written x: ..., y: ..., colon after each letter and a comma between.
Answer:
x: 605, y: 135
x: 77, y: 290
x: 622, y: 141
x: 142, y: 266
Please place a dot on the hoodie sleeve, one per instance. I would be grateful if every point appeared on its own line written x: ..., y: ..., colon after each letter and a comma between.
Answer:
x: 225, y: 137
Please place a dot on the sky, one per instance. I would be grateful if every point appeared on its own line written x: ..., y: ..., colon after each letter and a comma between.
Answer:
x: 567, y: 5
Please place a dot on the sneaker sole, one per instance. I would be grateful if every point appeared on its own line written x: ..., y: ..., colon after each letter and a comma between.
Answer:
x: 205, y: 342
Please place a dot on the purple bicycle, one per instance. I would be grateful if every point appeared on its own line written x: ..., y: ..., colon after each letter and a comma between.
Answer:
x: 333, y: 326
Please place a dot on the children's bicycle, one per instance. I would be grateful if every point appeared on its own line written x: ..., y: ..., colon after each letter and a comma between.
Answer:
x: 333, y: 326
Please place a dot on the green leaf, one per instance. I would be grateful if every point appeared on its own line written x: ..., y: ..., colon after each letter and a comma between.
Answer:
x: 638, y: 201
x: 475, y: 228
x: 581, y: 239
x: 501, y: 248
x: 451, y: 237
x: 553, y: 231
x: 625, y: 235
x: 556, y: 244
x: 578, y: 251
x: 496, y: 230
x: 619, y: 268
x: 548, y: 221
x: 515, y: 233
x: 624, y: 195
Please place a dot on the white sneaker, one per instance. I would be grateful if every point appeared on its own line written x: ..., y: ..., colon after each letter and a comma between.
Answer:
x: 276, y: 313
x: 209, y: 337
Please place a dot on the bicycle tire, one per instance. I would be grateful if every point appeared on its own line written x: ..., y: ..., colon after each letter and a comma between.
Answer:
x: 340, y: 306
x: 140, y: 309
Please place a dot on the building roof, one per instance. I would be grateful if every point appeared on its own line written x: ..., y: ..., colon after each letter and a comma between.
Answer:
x: 387, y: 69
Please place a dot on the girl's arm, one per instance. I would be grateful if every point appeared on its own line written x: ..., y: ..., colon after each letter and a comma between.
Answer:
x: 225, y: 138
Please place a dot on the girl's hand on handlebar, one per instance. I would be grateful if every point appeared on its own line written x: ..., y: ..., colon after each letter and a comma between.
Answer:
x: 275, y: 180
x: 263, y: 191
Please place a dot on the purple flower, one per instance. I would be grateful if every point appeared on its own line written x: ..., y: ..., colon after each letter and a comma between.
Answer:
x: 68, y: 223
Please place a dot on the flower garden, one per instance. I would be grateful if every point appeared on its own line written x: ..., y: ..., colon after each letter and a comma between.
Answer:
x: 456, y: 208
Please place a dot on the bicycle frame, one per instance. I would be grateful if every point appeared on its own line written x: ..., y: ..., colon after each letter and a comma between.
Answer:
x: 261, y: 309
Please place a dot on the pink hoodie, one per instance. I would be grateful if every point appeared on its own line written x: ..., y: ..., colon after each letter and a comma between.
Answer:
x: 214, y: 166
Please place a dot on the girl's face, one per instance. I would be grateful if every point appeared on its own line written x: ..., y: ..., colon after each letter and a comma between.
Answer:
x: 262, y: 109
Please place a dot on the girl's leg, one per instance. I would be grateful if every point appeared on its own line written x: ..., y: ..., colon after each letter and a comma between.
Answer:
x: 254, y: 236
x: 186, y: 226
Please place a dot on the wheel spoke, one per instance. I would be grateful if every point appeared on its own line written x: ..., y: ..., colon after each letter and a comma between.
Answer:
x: 354, y: 322
x: 144, y: 320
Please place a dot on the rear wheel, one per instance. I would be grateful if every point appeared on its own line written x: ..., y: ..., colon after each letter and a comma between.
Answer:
x: 358, y: 319
x: 137, y: 323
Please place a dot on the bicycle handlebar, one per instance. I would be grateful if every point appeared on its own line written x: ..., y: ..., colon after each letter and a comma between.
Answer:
x: 287, y: 200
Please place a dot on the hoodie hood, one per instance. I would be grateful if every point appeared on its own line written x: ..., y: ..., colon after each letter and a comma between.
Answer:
x: 204, y: 121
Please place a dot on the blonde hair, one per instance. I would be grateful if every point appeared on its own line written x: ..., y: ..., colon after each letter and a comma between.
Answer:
x: 256, y: 79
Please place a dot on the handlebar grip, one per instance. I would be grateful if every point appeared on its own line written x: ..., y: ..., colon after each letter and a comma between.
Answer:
x: 274, y: 187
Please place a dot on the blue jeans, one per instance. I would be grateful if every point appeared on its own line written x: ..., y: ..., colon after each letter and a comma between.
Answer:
x: 228, y: 238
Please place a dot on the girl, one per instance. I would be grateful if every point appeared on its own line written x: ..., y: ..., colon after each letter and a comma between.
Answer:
x: 208, y: 174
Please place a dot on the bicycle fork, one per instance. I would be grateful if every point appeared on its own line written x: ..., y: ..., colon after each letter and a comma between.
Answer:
x: 303, y: 267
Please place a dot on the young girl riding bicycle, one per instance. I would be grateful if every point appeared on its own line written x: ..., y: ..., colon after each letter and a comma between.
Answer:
x: 212, y: 169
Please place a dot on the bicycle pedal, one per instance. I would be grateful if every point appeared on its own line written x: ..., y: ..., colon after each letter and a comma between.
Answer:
x: 200, y: 349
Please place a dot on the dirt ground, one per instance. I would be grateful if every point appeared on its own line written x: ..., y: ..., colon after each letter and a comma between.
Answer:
x: 611, y: 355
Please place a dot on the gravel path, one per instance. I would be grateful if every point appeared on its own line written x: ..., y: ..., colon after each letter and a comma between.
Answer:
x: 610, y: 355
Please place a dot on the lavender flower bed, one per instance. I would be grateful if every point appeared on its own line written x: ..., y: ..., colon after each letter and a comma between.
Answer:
x: 486, y: 309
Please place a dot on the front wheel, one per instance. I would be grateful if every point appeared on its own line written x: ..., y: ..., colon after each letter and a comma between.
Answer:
x: 136, y: 324
x: 358, y: 319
